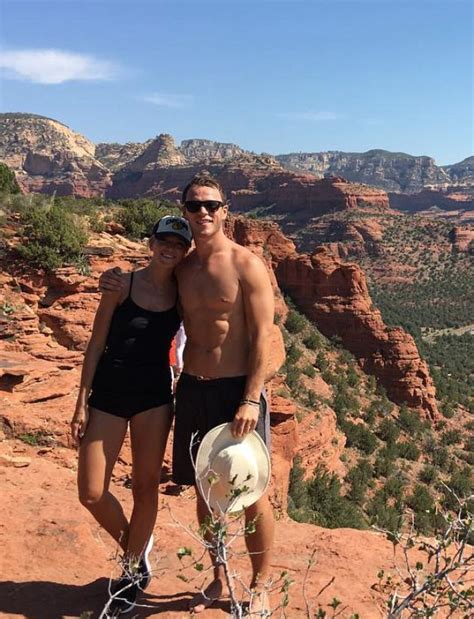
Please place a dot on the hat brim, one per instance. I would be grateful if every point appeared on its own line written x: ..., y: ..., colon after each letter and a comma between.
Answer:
x: 215, y: 441
x: 162, y: 235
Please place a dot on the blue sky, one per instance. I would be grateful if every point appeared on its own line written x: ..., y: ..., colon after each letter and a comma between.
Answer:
x: 272, y: 76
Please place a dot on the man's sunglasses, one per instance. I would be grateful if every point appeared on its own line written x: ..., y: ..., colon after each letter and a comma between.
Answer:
x: 211, y: 206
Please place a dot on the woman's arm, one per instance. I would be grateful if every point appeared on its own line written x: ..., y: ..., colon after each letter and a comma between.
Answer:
x: 95, y: 348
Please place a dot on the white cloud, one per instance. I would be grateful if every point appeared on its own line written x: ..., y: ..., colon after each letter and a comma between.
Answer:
x: 310, y: 115
x: 54, y: 66
x: 168, y: 100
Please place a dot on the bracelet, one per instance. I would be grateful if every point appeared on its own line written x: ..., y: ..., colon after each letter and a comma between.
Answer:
x: 250, y: 402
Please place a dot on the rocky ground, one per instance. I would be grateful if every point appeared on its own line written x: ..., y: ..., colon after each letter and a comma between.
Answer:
x: 55, y: 561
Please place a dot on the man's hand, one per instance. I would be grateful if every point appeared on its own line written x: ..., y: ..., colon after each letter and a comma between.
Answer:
x: 245, y: 420
x: 111, y: 280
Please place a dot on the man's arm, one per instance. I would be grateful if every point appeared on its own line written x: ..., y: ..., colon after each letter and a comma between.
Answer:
x: 258, y: 303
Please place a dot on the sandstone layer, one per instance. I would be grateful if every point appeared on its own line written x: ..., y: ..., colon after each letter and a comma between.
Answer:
x: 380, y: 168
x: 48, y: 157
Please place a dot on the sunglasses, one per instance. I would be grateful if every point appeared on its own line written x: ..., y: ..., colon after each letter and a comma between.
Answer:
x: 211, y: 206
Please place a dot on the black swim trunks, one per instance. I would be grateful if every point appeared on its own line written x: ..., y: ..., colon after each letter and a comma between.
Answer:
x: 202, y: 405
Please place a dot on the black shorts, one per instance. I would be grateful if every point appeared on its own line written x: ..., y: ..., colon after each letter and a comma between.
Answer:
x: 127, y: 405
x: 125, y: 392
x: 202, y: 405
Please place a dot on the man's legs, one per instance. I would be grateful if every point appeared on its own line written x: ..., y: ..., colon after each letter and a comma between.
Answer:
x: 214, y: 590
x: 260, y: 543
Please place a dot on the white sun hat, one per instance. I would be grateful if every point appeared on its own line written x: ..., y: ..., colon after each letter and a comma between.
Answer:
x: 232, y: 473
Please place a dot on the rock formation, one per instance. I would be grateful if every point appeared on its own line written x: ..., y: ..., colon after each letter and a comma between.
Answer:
x: 196, y: 151
x: 335, y: 296
x: 114, y: 156
x: 452, y: 199
x: 356, y: 238
x: 380, y: 168
x: 462, y: 172
x: 48, y: 157
x: 250, y: 181
x: 462, y: 239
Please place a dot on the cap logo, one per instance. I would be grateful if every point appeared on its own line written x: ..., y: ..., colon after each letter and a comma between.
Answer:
x: 177, y: 224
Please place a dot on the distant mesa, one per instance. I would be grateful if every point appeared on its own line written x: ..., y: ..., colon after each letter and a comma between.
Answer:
x: 47, y: 156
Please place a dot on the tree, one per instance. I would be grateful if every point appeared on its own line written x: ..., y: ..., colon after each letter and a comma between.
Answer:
x: 52, y: 236
x: 8, y: 183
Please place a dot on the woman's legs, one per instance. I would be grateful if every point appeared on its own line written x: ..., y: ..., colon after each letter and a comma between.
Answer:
x: 98, y: 453
x: 149, y: 432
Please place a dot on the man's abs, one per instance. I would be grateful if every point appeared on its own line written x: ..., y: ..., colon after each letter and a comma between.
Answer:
x: 216, y: 348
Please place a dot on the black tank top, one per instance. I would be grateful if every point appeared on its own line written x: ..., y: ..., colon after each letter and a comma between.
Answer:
x: 136, y: 355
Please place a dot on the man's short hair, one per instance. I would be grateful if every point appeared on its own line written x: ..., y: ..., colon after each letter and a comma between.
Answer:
x: 202, y: 180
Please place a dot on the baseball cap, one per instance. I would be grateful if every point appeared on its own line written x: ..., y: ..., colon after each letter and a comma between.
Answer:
x: 171, y: 224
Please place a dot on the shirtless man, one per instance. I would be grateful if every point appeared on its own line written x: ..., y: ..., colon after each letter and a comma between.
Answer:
x: 228, y: 308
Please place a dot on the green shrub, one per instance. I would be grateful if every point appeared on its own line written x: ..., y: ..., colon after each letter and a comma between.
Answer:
x: 469, y: 443
x: 319, y: 500
x: 448, y: 410
x: 359, y: 436
x: 52, y: 236
x: 8, y: 182
x: 393, y: 488
x: 297, y: 487
x: 293, y: 376
x: 309, y: 370
x: 388, y: 431
x: 139, y: 216
x: 295, y: 322
x: 421, y: 502
x: 343, y: 403
x: 408, y: 450
x: 293, y: 354
x: 358, y: 478
x: 312, y: 399
x: 370, y: 414
x: 384, y: 515
x: 440, y: 457
x: 330, y: 509
x: 322, y: 363
x: 313, y: 341
x: 461, y: 484
x: 451, y: 437
x: 409, y: 420
x: 384, y: 464
x: 96, y: 223
x: 428, y: 474
x: 353, y: 379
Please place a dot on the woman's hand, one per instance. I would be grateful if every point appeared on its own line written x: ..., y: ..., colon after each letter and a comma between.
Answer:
x: 79, y: 423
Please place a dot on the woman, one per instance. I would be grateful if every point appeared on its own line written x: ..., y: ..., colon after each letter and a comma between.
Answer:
x: 126, y: 380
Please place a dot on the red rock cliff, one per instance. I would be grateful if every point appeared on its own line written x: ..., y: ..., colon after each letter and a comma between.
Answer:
x: 335, y: 296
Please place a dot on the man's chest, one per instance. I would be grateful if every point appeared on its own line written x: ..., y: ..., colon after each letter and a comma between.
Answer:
x: 215, y: 288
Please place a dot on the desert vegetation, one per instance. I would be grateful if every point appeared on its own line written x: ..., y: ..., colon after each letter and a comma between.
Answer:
x: 55, y: 230
x: 397, y: 463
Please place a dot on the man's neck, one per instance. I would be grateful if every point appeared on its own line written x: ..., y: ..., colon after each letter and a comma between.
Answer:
x: 208, y: 245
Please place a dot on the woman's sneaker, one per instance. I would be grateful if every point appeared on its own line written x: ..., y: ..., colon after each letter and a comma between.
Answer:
x: 144, y: 567
x: 124, y: 596
x: 134, y: 579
